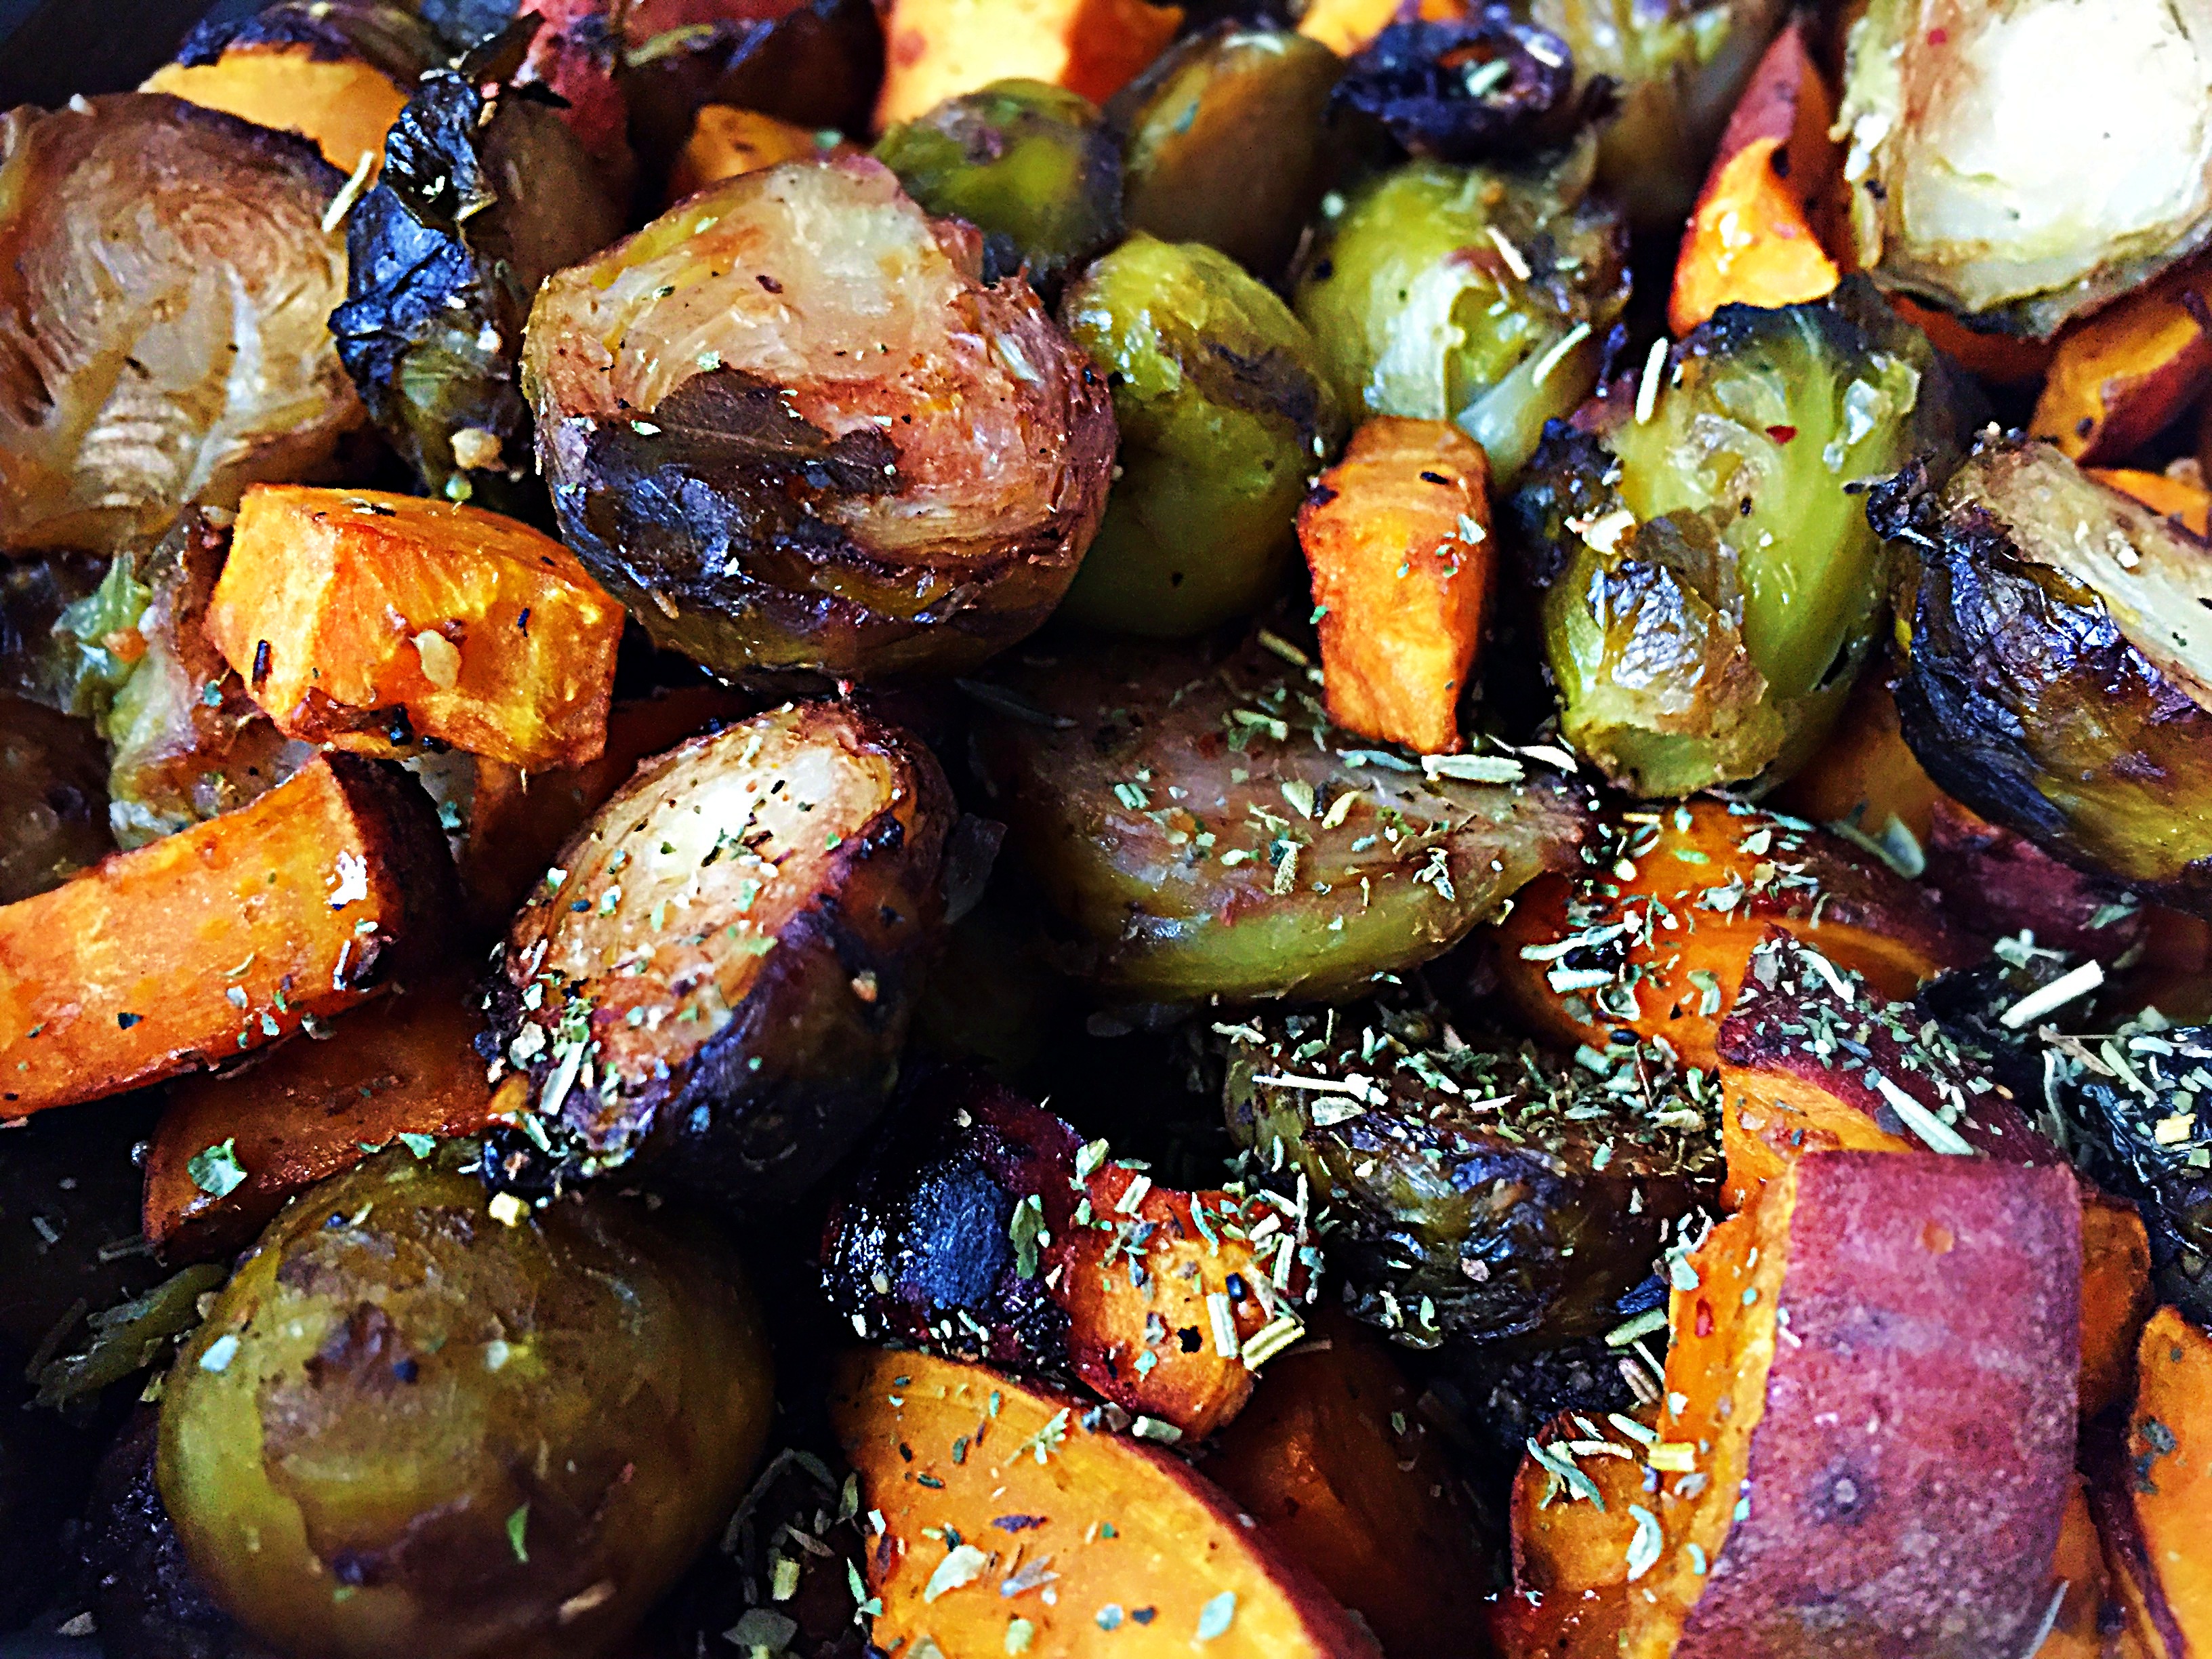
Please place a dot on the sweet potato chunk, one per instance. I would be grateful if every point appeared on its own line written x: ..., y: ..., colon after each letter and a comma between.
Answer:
x: 2120, y: 376
x: 1347, y: 26
x: 939, y: 49
x: 2116, y: 1297
x: 2006, y: 359
x: 1573, y: 1517
x: 1865, y: 775
x: 343, y: 105
x: 2086, y: 1607
x: 2190, y: 504
x: 220, y: 939
x: 367, y: 621
x: 2152, y: 1494
x: 725, y: 142
x: 1397, y: 538
x: 1755, y: 237
x: 1332, y: 1461
x: 1996, y: 883
x: 402, y: 1066
x: 1015, y: 1521
x: 1868, y: 1437
x: 1654, y: 933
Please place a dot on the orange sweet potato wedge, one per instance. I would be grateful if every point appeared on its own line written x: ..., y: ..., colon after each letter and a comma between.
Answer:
x: 1014, y: 1520
x: 341, y: 104
x: 937, y: 49
x: 367, y: 622
x: 1865, y: 774
x: 725, y: 142
x: 2118, y: 377
x: 2152, y: 1492
x: 1397, y: 539
x: 1573, y: 1512
x: 2005, y: 359
x: 1868, y: 1432
x: 1347, y: 26
x: 2189, y: 504
x: 1755, y: 236
x: 2116, y: 1297
x: 2088, y: 1622
x: 1333, y: 1460
x: 402, y: 1066
x: 220, y: 939
x: 1654, y: 933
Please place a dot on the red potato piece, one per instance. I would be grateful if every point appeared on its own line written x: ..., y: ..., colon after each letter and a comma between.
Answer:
x: 1872, y: 1387
x: 1140, y: 1557
x: 221, y: 939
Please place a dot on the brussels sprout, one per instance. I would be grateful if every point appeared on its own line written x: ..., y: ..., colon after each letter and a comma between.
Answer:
x: 1672, y: 69
x: 484, y: 1436
x: 2025, y: 163
x: 154, y: 247
x: 1205, y: 832
x: 1470, y: 1192
x: 1474, y: 295
x: 1223, y: 141
x: 719, y: 972
x: 1030, y: 166
x: 789, y: 425
x: 2058, y: 663
x: 53, y: 798
x: 1225, y: 412
x: 483, y: 198
x: 1710, y: 586
x: 1467, y: 90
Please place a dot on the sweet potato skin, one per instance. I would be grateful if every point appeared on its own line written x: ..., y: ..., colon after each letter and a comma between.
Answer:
x: 1023, y: 1474
x: 939, y: 49
x: 1916, y: 1443
x: 1397, y: 538
x: 2118, y: 377
x: 1756, y: 234
x: 404, y: 1065
x: 1724, y: 875
x: 365, y: 620
x: 1333, y: 1460
x: 2152, y: 1488
x: 298, y: 903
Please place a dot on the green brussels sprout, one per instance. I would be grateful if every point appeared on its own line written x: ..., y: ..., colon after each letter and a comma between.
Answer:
x: 1203, y: 831
x: 483, y: 198
x: 1224, y: 141
x: 1710, y: 584
x: 2056, y: 672
x: 1674, y: 68
x: 407, y: 1427
x: 1475, y: 294
x: 1225, y: 412
x: 1030, y: 166
x: 1471, y: 1192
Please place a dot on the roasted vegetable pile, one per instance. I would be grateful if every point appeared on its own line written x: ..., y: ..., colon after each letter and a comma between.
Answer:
x: 941, y: 828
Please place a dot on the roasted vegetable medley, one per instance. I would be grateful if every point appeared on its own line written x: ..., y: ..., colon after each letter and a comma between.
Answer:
x: 941, y: 828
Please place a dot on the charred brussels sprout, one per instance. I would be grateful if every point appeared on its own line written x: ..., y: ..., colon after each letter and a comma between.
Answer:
x: 1224, y: 411
x: 497, y: 1438
x: 1472, y: 294
x: 2027, y: 162
x: 1672, y: 70
x: 1467, y: 1192
x: 1030, y: 166
x: 717, y: 973
x: 789, y: 425
x: 1710, y: 583
x: 1223, y: 143
x: 2058, y: 663
x: 1465, y: 91
x: 1205, y: 832
x: 483, y: 198
x: 151, y: 248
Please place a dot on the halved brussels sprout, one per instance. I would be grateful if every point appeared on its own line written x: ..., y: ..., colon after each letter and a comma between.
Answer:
x: 163, y: 306
x: 1672, y: 69
x: 1206, y: 832
x: 717, y: 974
x: 1710, y: 584
x: 1475, y: 294
x: 1030, y: 166
x: 412, y: 1425
x: 2028, y: 162
x: 483, y: 195
x: 1225, y: 412
x: 2058, y: 663
x: 1223, y: 141
x: 1466, y: 1191
x: 789, y: 425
